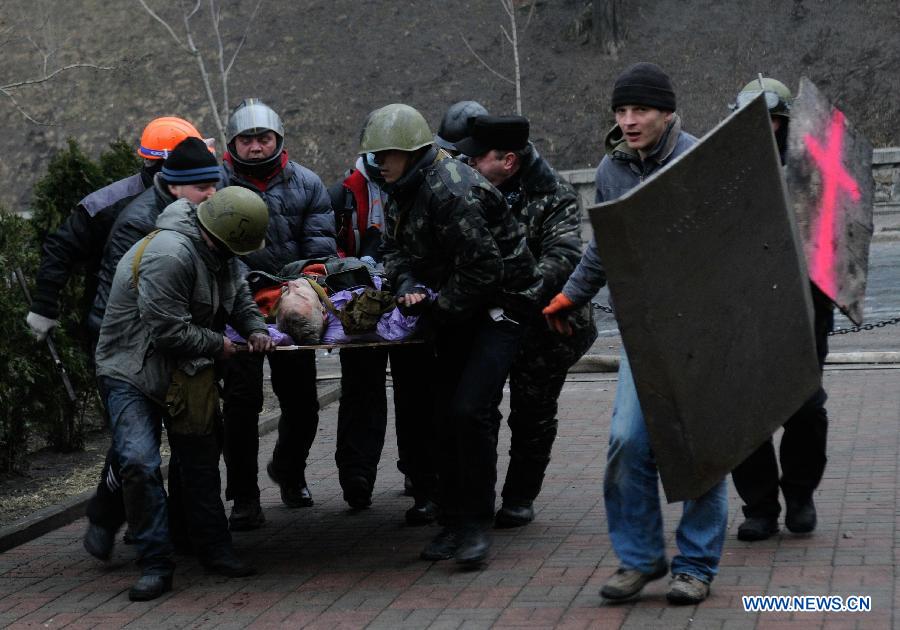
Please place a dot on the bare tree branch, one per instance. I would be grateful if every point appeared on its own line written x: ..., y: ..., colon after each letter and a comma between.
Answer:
x: 220, y: 111
x: 483, y: 62
x: 530, y: 15
x: 512, y: 36
x: 193, y: 11
x: 204, y: 75
x: 44, y: 79
x: 5, y: 35
x: 243, y: 36
x: 216, y: 14
x: 514, y: 40
x: 163, y: 22
x: 21, y: 110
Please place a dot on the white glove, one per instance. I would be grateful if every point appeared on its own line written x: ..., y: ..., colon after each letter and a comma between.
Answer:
x: 40, y: 325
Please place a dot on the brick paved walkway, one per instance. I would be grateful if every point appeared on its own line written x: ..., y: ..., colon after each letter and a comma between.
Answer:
x: 326, y: 567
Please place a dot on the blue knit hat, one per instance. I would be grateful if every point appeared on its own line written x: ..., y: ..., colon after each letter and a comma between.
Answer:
x: 190, y: 162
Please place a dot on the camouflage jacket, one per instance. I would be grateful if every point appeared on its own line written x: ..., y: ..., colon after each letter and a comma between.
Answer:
x: 550, y: 210
x: 447, y: 228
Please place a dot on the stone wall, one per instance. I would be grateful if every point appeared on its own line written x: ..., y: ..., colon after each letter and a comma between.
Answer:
x: 885, y: 172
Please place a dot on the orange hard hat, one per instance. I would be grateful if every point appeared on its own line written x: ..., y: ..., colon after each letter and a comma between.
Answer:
x: 162, y: 135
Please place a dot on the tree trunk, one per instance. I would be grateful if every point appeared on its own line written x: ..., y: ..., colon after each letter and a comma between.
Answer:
x: 608, y: 31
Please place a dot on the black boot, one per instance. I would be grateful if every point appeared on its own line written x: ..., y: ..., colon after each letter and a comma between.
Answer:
x: 757, y: 528
x: 246, y: 514
x: 513, y: 514
x: 800, y: 516
x: 225, y: 561
x: 150, y: 586
x: 474, y: 546
x: 443, y: 546
x: 357, y: 491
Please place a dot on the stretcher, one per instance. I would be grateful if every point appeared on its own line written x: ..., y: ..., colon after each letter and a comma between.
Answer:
x: 332, y: 346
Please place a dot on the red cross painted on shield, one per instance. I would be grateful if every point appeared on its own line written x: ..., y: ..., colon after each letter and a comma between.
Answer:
x: 834, y: 179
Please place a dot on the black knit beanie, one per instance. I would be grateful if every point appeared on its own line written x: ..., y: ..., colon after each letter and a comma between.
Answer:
x: 644, y: 84
x: 190, y: 162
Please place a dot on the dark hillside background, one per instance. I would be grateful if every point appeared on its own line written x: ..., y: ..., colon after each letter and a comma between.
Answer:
x: 324, y: 64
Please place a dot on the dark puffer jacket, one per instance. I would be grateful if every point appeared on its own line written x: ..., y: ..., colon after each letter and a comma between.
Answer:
x: 447, y: 228
x: 134, y: 222
x: 301, y: 223
x: 78, y: 243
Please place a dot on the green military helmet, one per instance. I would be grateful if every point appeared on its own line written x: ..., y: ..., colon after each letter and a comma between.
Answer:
x: 394, y: 126
x: 778, y: 97
x: 238, y: 217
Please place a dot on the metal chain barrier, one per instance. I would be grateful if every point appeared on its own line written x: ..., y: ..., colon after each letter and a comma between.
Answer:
x: 837, y: 331
x: 602, y: 307
x: 873, y: 325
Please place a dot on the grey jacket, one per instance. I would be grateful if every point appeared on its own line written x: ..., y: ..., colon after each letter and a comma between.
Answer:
x: 620, y: 170
x: 185, y: 294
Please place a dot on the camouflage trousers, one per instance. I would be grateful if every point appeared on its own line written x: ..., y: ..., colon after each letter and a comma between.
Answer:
x: 535, y: 382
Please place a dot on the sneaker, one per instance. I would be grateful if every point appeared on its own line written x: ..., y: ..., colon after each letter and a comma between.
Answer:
x: 800, y: 516
x: 626, y: 583
x: 293, y: 494
x: 757, y: 528
x: 686, y: 589
x: 246, y: 515
x: 98, y: 541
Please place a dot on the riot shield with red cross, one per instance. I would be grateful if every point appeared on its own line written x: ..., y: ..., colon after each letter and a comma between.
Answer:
x: 828, y: 169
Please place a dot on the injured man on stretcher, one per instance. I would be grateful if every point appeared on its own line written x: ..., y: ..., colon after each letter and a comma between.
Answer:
x: 335, y: 301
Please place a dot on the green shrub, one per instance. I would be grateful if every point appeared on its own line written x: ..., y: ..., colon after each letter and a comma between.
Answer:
x: 119, y: 161
x: 32, y: 399
x: 33, y: 402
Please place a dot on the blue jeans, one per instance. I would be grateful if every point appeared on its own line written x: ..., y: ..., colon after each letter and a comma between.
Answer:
x: 136, y: 423
x: 631, y: 494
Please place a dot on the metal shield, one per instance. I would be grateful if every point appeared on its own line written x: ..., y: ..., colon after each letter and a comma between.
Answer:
x: 829, y: 179
x: 712, y: 300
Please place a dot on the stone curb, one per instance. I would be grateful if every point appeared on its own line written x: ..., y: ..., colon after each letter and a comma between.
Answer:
x: 61, y: 514
x: 610, y: 363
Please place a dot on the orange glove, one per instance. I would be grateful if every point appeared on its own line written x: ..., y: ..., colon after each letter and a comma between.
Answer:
x: 557, y: 314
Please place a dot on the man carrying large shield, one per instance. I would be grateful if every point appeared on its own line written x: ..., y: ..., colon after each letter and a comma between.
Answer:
x: 647, y: 136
